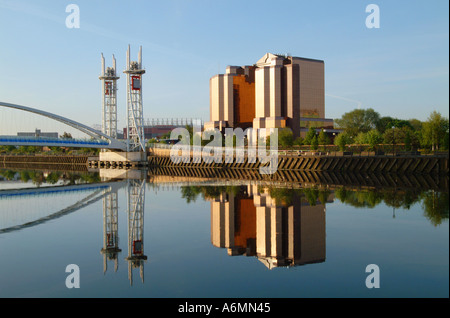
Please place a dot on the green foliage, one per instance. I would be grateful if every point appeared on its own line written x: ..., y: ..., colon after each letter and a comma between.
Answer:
x: 358, y: 120
x: 53, y: 178
x: 373, y: 138
x: 38, y: 177
x: 8, y: 174
x: 314, y: 143
x: 435, y: 206
x: 285, y: 138
x: 311, y: 195
x: 66, y: 135
x: 416, y: 125
x: 323, y: 138
x: 435, y: 131
x: 190, y: 193
x: 26, y: 150
x: 342, y: 140
x: 309, y: 136
x: 7, y: 149
x: 282, y: 196
x: 361, y: 138
x: 387, y: 122
x: 298, y: 141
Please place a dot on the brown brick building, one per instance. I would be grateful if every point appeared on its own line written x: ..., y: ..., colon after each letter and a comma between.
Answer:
x: 276, y: 92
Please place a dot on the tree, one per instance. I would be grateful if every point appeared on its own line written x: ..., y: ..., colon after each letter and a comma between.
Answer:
x: 394, y: 136
x: 387, y: 122
x: 323, y: 138
x: 361, y: 139
x: 314, y: 143
x: 66, y: 135
x: 309, y: 136
x: 342, y: 140
x: 7, y: 149
x: 358, y: 120
x: 416, y: 125
x: 373, y: 138
x: 434, y: 131
x: 298, y: 141
x: 435, y: 206
x: 285, y: 138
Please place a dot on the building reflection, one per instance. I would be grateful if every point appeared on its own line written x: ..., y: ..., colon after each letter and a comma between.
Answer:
x: 252, y: 222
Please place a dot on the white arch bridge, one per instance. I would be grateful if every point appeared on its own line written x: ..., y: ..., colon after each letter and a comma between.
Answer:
x: 99, y: 139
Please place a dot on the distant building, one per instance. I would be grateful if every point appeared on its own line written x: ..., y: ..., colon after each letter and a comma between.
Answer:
x: 157, y: 127
x: 38, y: 133
x: 278, y: 91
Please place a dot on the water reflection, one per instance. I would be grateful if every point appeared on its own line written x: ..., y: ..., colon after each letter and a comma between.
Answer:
x: 281, y: 226
x: 135, y: 212
x: 40, y: 178
x: 434, y: 203
x: 92, y: 190
x: 279, y: 231
x: 110, y: 250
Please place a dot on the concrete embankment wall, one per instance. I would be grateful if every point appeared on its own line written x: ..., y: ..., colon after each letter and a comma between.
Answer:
x: 297, y: 178
x: 402, y: 163
x: 66, y: 163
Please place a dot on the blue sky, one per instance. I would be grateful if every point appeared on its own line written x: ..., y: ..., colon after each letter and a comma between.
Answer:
x: 400, y: 69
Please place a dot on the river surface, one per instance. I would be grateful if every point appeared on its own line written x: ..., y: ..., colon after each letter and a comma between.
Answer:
x: 143, y: 238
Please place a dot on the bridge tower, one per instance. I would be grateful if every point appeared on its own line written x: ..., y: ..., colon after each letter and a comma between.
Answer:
x: 136, y: 198
x: 109, y: 99
x: 110, y: 248
x: 135, y: 117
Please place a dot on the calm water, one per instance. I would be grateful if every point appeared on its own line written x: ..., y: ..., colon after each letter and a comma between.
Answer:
x: 134, y: 238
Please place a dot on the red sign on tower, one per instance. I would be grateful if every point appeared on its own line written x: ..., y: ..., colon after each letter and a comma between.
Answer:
x: 136, y: 83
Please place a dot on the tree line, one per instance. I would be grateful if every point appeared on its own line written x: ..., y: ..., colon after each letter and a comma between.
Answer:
x: 371, y: 132
x: 367, y: 127
x: 434, y: 203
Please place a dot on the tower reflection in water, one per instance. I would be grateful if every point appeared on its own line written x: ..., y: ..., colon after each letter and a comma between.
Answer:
x: 110, y: 248
x: 281, y: 227
x: 135, y: 215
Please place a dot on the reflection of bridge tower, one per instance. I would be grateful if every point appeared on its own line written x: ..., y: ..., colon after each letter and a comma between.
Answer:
x: 110, y: 230
x: 135, y: 117
x: 136, y: 198
x: 109, y: 99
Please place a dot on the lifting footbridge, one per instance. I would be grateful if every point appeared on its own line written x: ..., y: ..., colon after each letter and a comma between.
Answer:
x: 99, y: 140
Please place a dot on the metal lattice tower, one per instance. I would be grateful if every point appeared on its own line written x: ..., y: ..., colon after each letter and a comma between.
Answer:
x: 110, y: 248
x: 136, y: 198
x: 109, y: 99
x: 135, y: 117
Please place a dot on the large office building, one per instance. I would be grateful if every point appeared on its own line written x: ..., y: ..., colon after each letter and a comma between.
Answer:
x: 278, y: 91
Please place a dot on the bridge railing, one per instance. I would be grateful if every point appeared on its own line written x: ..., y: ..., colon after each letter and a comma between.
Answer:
x: 19, y: 139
